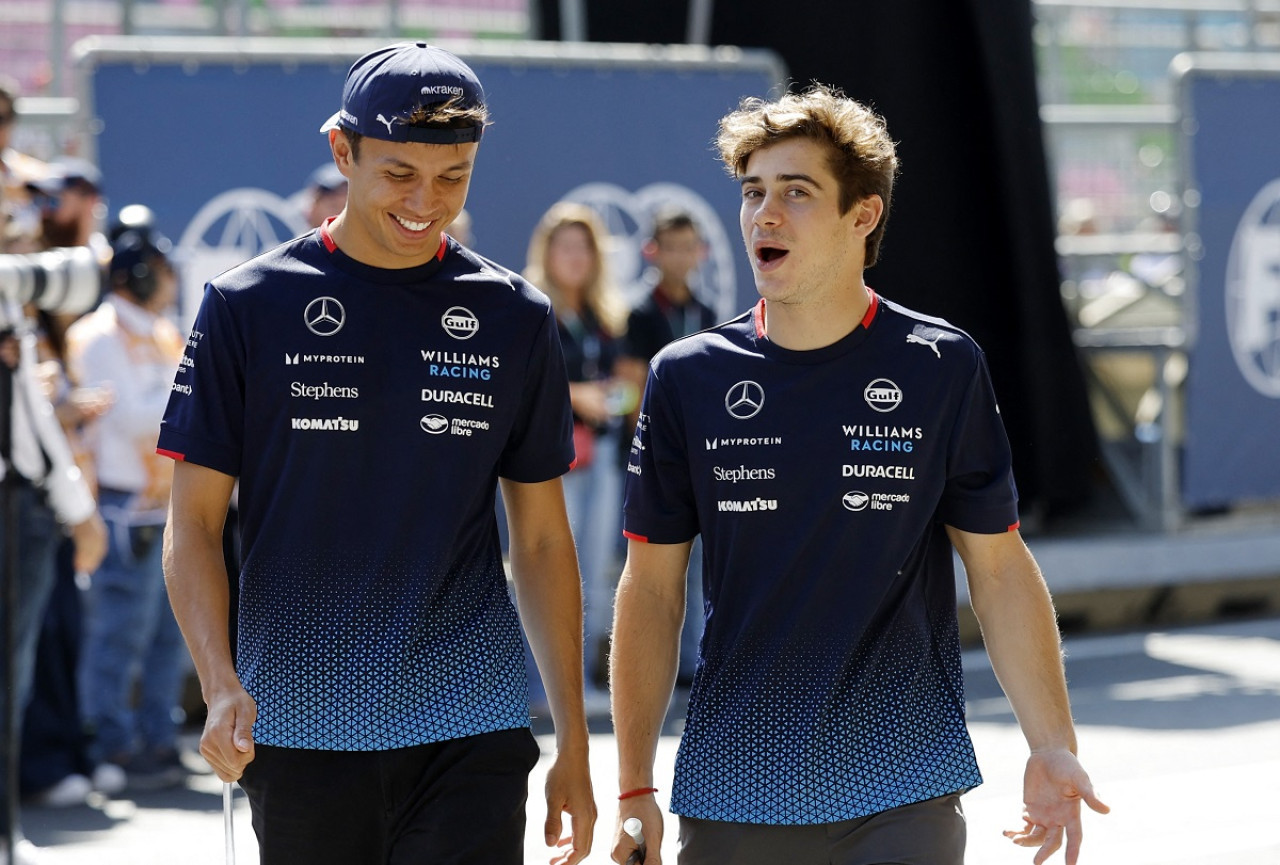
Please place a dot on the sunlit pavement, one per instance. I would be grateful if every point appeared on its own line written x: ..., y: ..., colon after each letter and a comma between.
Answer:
x: 1180, y: 730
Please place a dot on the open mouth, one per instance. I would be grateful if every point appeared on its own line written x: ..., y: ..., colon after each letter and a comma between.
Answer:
x: 770, y: 254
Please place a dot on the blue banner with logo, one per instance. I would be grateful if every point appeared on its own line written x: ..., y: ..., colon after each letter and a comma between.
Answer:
x: 1231, y: 112
x: 219, y: 140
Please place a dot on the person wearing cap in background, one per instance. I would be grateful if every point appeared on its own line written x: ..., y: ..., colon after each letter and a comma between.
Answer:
x: 131, y: 640
x: 370, y: 384
x: 324, y: 195
x: 69, y: 198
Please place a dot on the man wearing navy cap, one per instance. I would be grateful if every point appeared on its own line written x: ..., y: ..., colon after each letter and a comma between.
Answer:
x: 370, y: 384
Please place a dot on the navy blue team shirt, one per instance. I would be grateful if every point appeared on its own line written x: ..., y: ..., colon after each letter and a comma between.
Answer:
x: 829, y: 684
x: 368, y: 414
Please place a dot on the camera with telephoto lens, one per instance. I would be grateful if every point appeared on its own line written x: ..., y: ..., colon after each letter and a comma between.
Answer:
x: 64, y: 281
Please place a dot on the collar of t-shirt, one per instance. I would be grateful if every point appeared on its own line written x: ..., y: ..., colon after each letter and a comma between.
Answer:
x: 840, y: 347
x: 369, y: 273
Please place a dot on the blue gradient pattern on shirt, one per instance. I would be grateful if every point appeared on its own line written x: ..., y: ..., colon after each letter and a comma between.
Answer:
x: 829, y: 684
x: 374, y: 611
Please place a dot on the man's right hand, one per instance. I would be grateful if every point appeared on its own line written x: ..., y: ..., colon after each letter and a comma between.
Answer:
x: 227, y: 741
x: 646, y: 809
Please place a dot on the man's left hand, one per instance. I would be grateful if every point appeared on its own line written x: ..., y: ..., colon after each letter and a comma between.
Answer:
x: 569, y: 792
x: 1053, y: 786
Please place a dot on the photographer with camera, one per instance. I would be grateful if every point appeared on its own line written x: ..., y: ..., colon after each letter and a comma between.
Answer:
x: 45, y: 495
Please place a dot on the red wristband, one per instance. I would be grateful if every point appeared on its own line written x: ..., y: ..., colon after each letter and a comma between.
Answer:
x: 639, y: 791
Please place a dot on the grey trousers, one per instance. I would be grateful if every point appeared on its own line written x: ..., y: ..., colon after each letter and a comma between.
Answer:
x: 923, y: 833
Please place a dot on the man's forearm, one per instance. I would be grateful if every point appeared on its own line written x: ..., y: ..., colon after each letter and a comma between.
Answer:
x: 643, y: 664
x: 196, y: 577
x: 549, y: 594
x: 1020, y: 630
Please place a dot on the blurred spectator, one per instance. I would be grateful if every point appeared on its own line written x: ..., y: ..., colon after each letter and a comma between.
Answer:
x: 55, y: 768
x: 567, y: 261
x: 50, y: 494
x: 676, y: 249
x: 460, y: 229
x: 69, y: 198
x: 132, y: 639
x: 325, y: 195
x: 19, y: 220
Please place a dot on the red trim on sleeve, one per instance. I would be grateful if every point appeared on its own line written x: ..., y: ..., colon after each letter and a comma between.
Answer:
x: 329, y: 243
x: 633, y: 536
x: 1014, y: 527
x: 871, y: 308
x: 173, y: 455
x: 759, y: 316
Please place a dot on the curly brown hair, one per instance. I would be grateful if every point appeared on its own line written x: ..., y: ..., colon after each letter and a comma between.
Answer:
x: 863, y: 157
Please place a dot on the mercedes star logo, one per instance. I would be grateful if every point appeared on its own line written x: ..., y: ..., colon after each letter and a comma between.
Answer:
x: 324, y: 316
x: 744, y: 400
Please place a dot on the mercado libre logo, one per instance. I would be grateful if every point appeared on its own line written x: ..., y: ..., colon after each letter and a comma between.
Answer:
x: 1253, y: 292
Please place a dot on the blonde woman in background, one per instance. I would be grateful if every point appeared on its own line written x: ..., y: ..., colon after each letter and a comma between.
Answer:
x: 567, y: 260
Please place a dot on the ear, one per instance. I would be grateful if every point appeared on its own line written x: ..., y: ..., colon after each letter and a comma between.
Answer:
x: 867, y: 213
x: 340, y: 146
x: 649, y: 249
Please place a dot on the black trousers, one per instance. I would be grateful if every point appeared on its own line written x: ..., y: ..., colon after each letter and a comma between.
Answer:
x: 459, y: 802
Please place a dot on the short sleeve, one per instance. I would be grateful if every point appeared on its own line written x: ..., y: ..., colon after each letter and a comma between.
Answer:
x: 540, y: 446
x: 659, y: 504
x: 980, y: 495
x: 204, y: 420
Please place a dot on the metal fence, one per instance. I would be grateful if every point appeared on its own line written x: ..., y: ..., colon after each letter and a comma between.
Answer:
x: 1112, y: 132
x: 36, y: 35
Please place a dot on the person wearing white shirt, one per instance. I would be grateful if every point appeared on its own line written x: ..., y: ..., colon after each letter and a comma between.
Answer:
x: 128, y: 345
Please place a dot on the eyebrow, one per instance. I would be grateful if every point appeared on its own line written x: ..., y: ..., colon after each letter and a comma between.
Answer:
x: 786, y: 178
x: 464, y: 165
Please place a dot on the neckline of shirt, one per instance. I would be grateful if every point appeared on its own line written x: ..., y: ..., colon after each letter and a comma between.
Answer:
x: 840, y: 347
x: 369, y: 273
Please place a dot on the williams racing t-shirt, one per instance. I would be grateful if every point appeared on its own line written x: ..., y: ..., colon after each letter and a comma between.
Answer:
x: 829, y: 682
x: 368, y: 414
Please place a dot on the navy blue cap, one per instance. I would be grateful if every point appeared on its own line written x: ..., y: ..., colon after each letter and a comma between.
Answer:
x: 385, y: 87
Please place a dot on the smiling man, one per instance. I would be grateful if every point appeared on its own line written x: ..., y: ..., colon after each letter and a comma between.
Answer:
x: 375, y: 709
x: 831, y: 447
